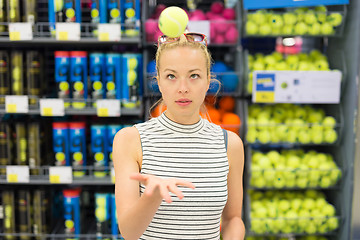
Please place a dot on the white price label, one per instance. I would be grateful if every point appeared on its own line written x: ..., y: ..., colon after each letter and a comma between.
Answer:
x: 108, y: 108
x: 296, y: 86
x: 52, y: 107
x: 17, y: 174
x: 16, y: 104
x: 200, y: 27
x: 61, y: 174
x: 112, y: 175
x: 20, y: 31
x: 68, y: 31
x: 109, y: 32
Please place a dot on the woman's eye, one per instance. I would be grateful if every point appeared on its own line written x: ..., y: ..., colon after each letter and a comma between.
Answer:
x: 194, y: 76
x: 170, y: 76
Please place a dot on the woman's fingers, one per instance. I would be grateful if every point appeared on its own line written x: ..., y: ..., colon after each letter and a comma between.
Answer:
x: 165, y: 194
x: 180, y: 182
x: 174, y: 189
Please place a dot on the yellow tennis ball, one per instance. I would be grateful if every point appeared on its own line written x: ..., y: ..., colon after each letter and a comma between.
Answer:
x: 173, y: 21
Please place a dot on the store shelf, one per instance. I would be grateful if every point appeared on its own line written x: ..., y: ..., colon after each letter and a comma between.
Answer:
x: 41, y: 35
x: 42, y: 178
x: 88, y: 110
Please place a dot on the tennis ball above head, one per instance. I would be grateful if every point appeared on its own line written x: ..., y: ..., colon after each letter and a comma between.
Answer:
x: 173, y: 21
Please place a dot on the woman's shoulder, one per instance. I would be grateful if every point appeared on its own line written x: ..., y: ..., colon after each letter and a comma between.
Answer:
x: 126, y: 134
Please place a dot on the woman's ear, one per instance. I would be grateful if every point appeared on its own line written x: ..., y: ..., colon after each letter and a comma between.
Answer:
x: 158, y: 82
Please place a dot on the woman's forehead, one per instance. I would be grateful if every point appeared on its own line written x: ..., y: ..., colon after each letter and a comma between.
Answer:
x: 182, y: 56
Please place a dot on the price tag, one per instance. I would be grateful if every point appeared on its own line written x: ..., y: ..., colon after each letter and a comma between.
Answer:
x: 68, y: 31
x: 17, y: 174
x: 200, y: 27
x: 61, y: 174
x: 20, y: 31
x: 52, y: 107
x: 108, y: 107
x: 112, y: 175
x: 16, y: 104
x: 296, y: 86
x: 109, y: 32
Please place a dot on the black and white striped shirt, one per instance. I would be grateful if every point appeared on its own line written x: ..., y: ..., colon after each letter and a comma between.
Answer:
x: 195, y: 153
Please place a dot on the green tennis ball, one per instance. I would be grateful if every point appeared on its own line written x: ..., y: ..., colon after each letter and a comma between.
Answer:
x: 301, y: 28
x: 131, y: 77
x: 335, y: 19
x: 276, y: 21
x: 330, y: 136
x: 315, y: 29
x: 132, y: 63
x: 16, y: 73
x: 173, y: 21
x: 251, y: 28
x: 321, y: 8
x: 329, y: 122
x: 310, y: 18
x: 58, y: 5
x: 265, y: 29
x: 288, y: 29
x: 259, y: 17
x: 327, y: 29
x: 100, y: 214
x: 289, y: 18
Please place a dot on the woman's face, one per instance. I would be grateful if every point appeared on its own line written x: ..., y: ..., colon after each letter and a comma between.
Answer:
x: 183, y: 82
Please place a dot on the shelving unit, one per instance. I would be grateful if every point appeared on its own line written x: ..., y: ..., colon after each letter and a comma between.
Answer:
x: 339, y: 49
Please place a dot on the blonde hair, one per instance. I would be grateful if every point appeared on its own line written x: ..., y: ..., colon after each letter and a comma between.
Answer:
x: 183, y: 42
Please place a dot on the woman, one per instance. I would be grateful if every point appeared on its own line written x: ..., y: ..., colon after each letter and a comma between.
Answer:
x: 177, y: 175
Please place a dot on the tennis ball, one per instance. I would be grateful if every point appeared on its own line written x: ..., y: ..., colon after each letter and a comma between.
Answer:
x: 259, y: 17
x: 329, y: 122
x: 276, y: 21
x: 264, y: 136
x: 335, y: 19
x: 310, y: 18
x: 330, y: 136
x: 321, y: 17
x: 315, y: 29
x: 301, y: 28
x: 131, y: 77
x: 289, y: 18
x: 265, y: 29
x: 327, y: 29
x: 132, y: 63
x: 231, y: 35
x: 58, y: 5
x: 229, y: 13
x: 173, y: 21
x: 322, y: 65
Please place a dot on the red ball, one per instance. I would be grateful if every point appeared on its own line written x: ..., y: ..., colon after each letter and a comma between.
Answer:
x: 197, y: 15
x: 151, y: 26
x: 217, y: 7
x: 231, y: 36
x: 229, y: 14
x: 219, y: 39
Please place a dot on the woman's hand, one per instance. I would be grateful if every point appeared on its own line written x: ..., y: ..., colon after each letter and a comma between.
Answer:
x: 162, y: 185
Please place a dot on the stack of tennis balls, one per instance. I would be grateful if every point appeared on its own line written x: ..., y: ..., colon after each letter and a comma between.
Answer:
x: 312, y: 61
x: 290, y: 123
x: 222, y: 113
x: 298, y: 21
x: 293, y: 169
x: 288, y: 212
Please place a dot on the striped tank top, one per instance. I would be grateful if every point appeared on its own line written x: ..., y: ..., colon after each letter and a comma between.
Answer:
x: 196, y: 153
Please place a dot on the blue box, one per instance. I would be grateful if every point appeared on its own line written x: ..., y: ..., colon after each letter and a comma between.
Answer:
x: 98, y: 13
x: 114, y: 11
x: 72, y: 211
x: 78, y: 147
x: 130, y: 17
x: 260, y: 4
x: 63, y: 11
x: 62, y: 75
x: 97, y: 74
x: 99, y: 149
x: 113, y: 76
x: 61, y: 143
x: 132, y: 80
x: 111, y: 131
x: 78, y: 78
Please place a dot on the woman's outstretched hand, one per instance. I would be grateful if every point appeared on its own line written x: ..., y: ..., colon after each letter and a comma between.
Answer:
x: 162, y: 185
